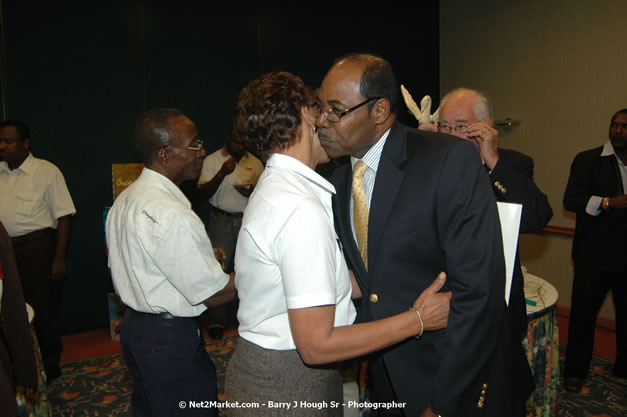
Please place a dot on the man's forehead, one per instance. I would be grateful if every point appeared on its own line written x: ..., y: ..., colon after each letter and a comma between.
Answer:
x: 7, y: 131
x: 619, y: 117
x: 341, y: 83
x: 457, y: 111
x: 185, y: 129
x: 182, y: 123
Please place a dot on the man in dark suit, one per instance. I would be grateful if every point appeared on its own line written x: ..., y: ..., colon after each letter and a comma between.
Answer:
x: 596, y: 193
x: 465, y: 113
x: 430, y: 209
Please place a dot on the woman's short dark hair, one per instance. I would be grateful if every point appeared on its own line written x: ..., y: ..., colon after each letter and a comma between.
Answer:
x: 152, y: 132
x: 268, y: 112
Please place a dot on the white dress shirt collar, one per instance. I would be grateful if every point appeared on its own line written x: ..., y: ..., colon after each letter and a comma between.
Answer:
x: 373, y: 156
x: 284, y: 161
x: 608, y: 149
x: 26, y: 167
x: 159, y: 179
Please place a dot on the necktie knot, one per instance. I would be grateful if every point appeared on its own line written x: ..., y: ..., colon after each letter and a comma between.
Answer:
x: 359, y: 170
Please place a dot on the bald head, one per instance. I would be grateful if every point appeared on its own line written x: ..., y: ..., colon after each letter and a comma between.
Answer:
x: 377, y: 77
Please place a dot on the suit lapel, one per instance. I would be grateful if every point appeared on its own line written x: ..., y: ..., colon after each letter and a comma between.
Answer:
x: 342, y: 218
x: 387, y: 184
x: 612, y: 173
x: 617, y: 176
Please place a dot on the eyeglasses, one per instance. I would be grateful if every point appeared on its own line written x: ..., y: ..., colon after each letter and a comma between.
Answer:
x: 197, y: 147
x: 333, y: 115
x: 459, y: 128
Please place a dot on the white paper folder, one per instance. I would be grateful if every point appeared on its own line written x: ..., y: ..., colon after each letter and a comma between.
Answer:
x: 510, y: 215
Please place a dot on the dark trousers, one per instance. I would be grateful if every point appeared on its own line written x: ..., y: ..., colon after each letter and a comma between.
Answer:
x: 169, y: 365
x: 381, y: 387
x: 223, y: 231
x: 34, y: 254
x: 590, y: 287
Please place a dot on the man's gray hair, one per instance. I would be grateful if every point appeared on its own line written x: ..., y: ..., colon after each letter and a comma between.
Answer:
x: 481, y: 107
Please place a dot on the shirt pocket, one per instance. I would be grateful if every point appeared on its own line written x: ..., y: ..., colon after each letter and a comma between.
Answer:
x: 28, y: 204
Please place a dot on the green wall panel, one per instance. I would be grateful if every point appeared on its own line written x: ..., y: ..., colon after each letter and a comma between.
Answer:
x: 79, y: 73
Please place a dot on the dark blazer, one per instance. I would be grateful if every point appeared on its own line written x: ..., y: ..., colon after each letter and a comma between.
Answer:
x: 433, y: 210
x: 512, y: 182
x: 600, y: 241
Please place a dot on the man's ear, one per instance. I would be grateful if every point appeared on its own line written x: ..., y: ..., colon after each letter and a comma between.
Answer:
x: 162, y: 156
x: 381, y: 110
x: 490, y: 121
x: 26, y: 142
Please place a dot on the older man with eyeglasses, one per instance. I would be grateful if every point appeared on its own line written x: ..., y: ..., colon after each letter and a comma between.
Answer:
x: 466, y: 113
x: 163, y: 267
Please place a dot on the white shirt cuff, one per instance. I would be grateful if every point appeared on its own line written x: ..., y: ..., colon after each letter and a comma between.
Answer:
x: 594, y: 205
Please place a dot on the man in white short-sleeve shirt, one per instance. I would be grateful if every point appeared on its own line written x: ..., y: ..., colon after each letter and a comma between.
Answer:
x: 36, y: 209
x: 164, y: 270
x: 227, y: 179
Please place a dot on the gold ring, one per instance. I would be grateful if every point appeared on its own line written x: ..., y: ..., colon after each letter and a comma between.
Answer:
x: 478, y: 133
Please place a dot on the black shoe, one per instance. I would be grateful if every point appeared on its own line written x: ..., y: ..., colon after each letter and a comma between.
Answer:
x: 216, y: 333
x: 573, y: 384
x: 53, y: 374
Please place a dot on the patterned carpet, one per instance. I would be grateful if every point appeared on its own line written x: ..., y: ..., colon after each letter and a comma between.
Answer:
x: 102, y: 387
x: 602, y: 395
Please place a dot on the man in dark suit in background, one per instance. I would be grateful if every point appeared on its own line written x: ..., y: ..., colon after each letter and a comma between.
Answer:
x: 596, y: 193
x: 466, y: 113
x: 430, y: 208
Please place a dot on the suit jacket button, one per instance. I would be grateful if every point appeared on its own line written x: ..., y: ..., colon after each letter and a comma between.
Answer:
x: 504, y: 190
x: 374, y: 298
x: 497, y: 184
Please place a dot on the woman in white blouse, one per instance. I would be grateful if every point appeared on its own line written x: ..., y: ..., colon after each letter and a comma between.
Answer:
x: 295, y: 308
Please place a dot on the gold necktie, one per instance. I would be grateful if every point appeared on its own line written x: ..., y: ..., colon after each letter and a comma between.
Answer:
x: 360, y: 209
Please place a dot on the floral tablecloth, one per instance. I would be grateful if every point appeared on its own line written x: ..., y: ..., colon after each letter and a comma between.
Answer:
x: 542, y: 345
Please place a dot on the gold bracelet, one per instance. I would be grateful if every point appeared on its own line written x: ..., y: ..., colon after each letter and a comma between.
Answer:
x: 422, y: 323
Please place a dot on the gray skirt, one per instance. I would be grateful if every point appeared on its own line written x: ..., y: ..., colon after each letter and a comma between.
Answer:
x: 263, y: 382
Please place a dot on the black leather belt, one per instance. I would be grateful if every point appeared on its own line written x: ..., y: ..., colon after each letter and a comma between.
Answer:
x: 165, y: 315
x: 227, y: 213
x: 32, y: 235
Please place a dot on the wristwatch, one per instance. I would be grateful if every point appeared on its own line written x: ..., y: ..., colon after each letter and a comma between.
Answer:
x: 605, y: 203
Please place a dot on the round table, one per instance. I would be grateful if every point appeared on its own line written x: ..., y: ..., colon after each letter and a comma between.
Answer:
x: 542, y: 344
x: 42, y: 407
